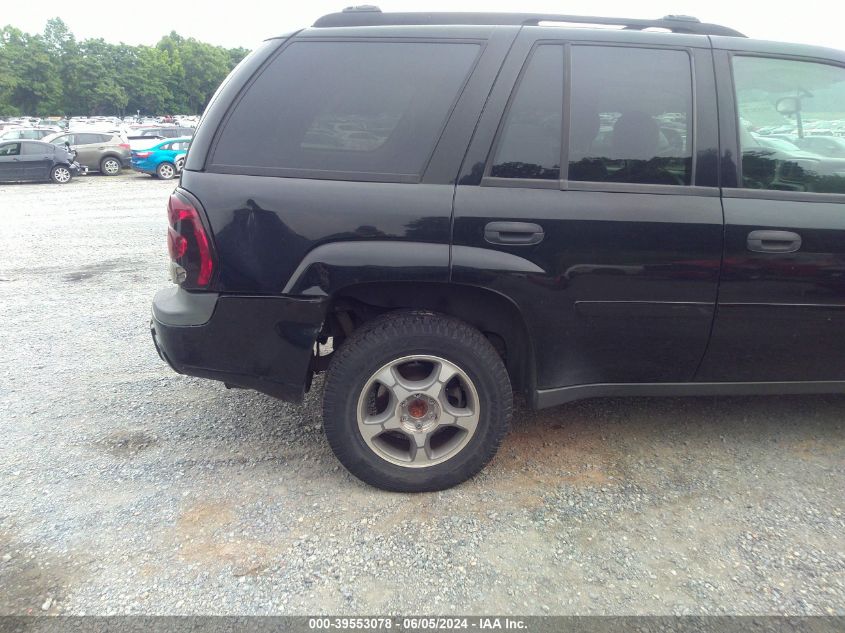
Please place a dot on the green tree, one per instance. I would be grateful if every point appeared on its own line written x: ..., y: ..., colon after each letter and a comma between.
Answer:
x: 54, y: 73
x: 34, y: 86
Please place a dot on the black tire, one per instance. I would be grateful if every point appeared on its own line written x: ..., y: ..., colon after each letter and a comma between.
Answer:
x: 61, y: 174
x: 110, y: 166
x: 394, y: 336
x: 166, y: 171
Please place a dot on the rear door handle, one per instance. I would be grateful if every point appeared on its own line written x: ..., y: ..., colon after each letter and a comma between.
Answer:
x: 774, y: 242
x: 514, y: 233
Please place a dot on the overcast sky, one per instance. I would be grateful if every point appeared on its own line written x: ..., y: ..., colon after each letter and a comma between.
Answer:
x: 246, y: 22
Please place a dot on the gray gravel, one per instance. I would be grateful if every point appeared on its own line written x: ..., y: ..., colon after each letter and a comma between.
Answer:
x: 125, y: 488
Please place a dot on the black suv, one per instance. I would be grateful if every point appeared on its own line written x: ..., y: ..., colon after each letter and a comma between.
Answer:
x: 441, y: 209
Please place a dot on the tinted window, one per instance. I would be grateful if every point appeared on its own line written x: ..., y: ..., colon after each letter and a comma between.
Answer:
x: 375, y: 107
x: 529, y: 143
x: 36, y: 148
x: 64, y: 138
x: 10, y: 149
x: 631, y: 118
x: 88, y: 139
x: 803, y: 102
x: 166, y: 146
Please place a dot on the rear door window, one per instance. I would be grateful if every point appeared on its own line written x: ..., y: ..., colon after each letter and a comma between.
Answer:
x: 631, y: 119
x: 35, y: 148
x: 323, y: 109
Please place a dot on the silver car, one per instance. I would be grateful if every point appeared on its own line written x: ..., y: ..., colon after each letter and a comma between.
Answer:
x: 105, y: 152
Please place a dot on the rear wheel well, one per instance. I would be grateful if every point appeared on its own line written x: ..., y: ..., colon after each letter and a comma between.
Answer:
x: 492, y: 314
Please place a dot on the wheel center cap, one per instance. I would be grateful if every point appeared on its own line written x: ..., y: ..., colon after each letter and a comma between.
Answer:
x: 417, y: 408
x: 419, y: 413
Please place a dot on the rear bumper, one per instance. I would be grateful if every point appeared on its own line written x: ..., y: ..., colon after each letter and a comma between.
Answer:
x: 142, y: 167
x: 255, y: 342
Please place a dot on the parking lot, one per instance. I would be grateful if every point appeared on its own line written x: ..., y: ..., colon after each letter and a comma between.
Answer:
x: 125, y: 488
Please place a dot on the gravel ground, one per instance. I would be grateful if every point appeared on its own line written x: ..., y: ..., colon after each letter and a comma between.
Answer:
x: 125, y: 488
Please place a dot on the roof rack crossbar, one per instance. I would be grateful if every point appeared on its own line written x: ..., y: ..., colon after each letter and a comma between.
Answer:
x: 371, y: 16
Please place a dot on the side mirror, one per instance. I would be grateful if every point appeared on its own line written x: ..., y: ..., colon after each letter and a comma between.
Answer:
x: 788, y: 106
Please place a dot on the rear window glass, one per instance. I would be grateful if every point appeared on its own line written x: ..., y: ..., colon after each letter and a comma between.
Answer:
x: 88, y: 139
x: 35, y: 148
x: 371, y: 107
x: 631, y: 118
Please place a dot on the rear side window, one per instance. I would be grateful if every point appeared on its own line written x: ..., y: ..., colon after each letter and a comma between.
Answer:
x: 529, y: 143
x: 88, y: 139
x: 348, y: 107
x: 631, y: 119
x: 791, y: 124
x: 35, y: 148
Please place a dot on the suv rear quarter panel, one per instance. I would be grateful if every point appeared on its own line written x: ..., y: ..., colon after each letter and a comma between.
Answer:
x: 295, y: 235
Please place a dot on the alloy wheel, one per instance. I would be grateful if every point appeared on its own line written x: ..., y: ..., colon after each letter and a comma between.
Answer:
x: 418, y: 411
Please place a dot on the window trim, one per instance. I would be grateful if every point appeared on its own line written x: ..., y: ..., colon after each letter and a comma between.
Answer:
x: 563, y: 183
x: 777, y: 194
x: 330, y: 174
x: 771, y: 194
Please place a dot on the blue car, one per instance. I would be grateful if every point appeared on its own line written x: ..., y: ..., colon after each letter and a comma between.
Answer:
x: 163, y: 160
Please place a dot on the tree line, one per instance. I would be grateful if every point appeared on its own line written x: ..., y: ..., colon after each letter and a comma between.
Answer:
x: 52, y: 73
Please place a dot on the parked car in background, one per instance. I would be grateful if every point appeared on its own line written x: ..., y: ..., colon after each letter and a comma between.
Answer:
x: 164, y: 160
x: 33, y: 133
x: 833, y: 146
x: 36, y: 160
x: 144, y: 138
x: 98, y: 151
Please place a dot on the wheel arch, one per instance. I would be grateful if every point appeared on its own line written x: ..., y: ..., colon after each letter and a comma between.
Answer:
x: 490, y: 312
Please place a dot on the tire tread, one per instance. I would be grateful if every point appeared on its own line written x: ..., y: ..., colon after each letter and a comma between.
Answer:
x: 390, y: 327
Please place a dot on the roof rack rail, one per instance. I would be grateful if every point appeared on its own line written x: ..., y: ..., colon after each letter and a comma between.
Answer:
x: 369, y: 15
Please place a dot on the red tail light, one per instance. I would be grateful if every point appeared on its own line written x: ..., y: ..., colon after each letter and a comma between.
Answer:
x: 188, y: 244
x: 124, y: 146
x: 142, y: 154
